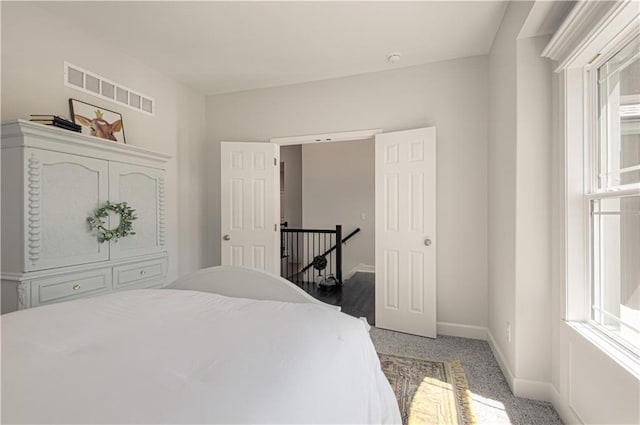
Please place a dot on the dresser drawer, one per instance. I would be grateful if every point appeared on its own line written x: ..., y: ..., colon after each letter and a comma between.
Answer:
x: 137, y: 272
x: 143, y: 284
x: 70, y: 286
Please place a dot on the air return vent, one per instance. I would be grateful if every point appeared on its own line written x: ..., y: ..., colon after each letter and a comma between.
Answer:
x: 89, y: 82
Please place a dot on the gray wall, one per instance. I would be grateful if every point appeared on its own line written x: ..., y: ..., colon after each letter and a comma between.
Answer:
x: 292, y: 158
x: 450, y: 95
x: 338, y: 187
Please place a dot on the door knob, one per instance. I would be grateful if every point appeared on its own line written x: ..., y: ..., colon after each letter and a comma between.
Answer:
x: 427, y: 242
x: 227, y: 238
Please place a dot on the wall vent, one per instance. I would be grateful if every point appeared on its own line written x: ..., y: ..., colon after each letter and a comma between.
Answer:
x: 91, y: 83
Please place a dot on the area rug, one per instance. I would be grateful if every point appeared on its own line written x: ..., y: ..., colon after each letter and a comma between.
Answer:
x: 428, y: 391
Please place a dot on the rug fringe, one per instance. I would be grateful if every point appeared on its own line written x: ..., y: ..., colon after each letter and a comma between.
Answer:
x: 462, y: 393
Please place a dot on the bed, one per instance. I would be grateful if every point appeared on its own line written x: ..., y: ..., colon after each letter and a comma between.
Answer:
x: 214, y: 347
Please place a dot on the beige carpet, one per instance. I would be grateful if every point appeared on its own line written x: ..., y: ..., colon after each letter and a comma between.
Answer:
x: 429, y: 391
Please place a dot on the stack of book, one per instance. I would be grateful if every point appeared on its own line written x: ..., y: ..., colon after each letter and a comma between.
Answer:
x: 56, y: 121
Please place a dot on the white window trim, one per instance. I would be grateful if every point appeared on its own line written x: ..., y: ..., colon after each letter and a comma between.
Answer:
x: 591, y: 28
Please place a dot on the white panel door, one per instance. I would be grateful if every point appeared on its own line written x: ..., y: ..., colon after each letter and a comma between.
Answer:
x: 250, y: 207
x: 61, y: 191
x: 143, y: 189
x: 406, y: 231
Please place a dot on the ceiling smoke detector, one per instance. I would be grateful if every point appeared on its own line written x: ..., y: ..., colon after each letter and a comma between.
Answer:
x: 394, y: 57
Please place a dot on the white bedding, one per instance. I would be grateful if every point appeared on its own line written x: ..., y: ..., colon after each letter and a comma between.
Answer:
x: 174, y: 356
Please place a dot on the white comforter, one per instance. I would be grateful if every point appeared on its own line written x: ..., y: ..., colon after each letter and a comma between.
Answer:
x: 169, y: 356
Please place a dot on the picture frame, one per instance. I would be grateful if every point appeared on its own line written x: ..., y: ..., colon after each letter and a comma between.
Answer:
x: 97, y: 121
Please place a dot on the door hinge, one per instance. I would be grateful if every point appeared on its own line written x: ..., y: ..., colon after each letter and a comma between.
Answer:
x: 275, y: 227
x: 275, y: 161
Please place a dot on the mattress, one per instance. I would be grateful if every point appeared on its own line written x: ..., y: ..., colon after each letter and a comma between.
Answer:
x: 179, y: 356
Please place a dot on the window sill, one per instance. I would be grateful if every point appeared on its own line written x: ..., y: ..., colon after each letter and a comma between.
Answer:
x: 619, y: 354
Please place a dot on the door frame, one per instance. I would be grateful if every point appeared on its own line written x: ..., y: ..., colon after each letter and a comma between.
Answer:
x: 341, y: 136
x: 345, y: 136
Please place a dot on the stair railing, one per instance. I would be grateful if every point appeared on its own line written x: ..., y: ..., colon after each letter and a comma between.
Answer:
x: 299, y: 248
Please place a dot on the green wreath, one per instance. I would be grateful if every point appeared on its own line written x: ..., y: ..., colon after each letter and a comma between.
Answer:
x: 125, y: 228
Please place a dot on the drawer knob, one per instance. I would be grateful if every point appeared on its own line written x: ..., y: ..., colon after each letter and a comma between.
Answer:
x: 76, y: 287
x: 142, y: 272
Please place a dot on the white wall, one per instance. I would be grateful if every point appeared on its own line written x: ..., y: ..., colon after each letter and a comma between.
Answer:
x: 502, y: 182
x: 34, y: 47
x: 451, y: 95
x: 292, y: 158
x: 191, y: 174
x: 519, y: 205
x: 533, y: 219
x: 338, y: 186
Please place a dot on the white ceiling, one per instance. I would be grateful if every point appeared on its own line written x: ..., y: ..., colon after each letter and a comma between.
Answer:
x: 218, y: 47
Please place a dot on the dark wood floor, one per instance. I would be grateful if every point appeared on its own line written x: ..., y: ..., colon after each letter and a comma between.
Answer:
x: 356, y: 296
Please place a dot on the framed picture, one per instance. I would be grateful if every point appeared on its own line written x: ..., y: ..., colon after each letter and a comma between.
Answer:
x: 97, y: 121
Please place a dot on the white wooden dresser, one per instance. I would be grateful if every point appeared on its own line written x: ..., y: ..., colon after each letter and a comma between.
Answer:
x: 52, y: 180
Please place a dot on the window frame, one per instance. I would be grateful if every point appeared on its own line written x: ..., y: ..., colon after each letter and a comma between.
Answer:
x: 592, y: 170
x: 590, y: 29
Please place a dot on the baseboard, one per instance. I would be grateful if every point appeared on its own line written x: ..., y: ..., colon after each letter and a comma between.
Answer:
x: 504, y: 366
x: 526, y: 388
x: 367, y: 268
x: 350, y: 273
x: 568, y: 416
x: 362, y: 268
x: 535, y: 390
x: 463, y: 331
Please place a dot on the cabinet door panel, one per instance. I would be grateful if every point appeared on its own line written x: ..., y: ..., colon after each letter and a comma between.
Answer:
x: 61, y: 191
x: 143, y: 189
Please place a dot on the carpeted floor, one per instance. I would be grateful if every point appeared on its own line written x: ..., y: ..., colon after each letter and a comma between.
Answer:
x: 493, y: 402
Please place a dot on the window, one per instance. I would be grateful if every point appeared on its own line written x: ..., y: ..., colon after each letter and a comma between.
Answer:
x: 614, y: 196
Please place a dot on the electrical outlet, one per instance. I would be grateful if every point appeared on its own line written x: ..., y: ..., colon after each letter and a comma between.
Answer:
x: 508, y: 332
x: 363, y: 216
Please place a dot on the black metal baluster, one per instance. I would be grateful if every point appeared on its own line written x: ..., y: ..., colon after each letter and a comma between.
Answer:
x: 307, y: 260
x: 339, y: 254
x: 291, y: 256
x: 334, y: 255
x: 297, y: 257
x: 331, y: 255
x: 324, y: 248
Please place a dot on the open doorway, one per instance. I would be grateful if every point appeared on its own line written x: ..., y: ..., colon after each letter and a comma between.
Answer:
x: 323, y: 186
x: 405, y: 217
